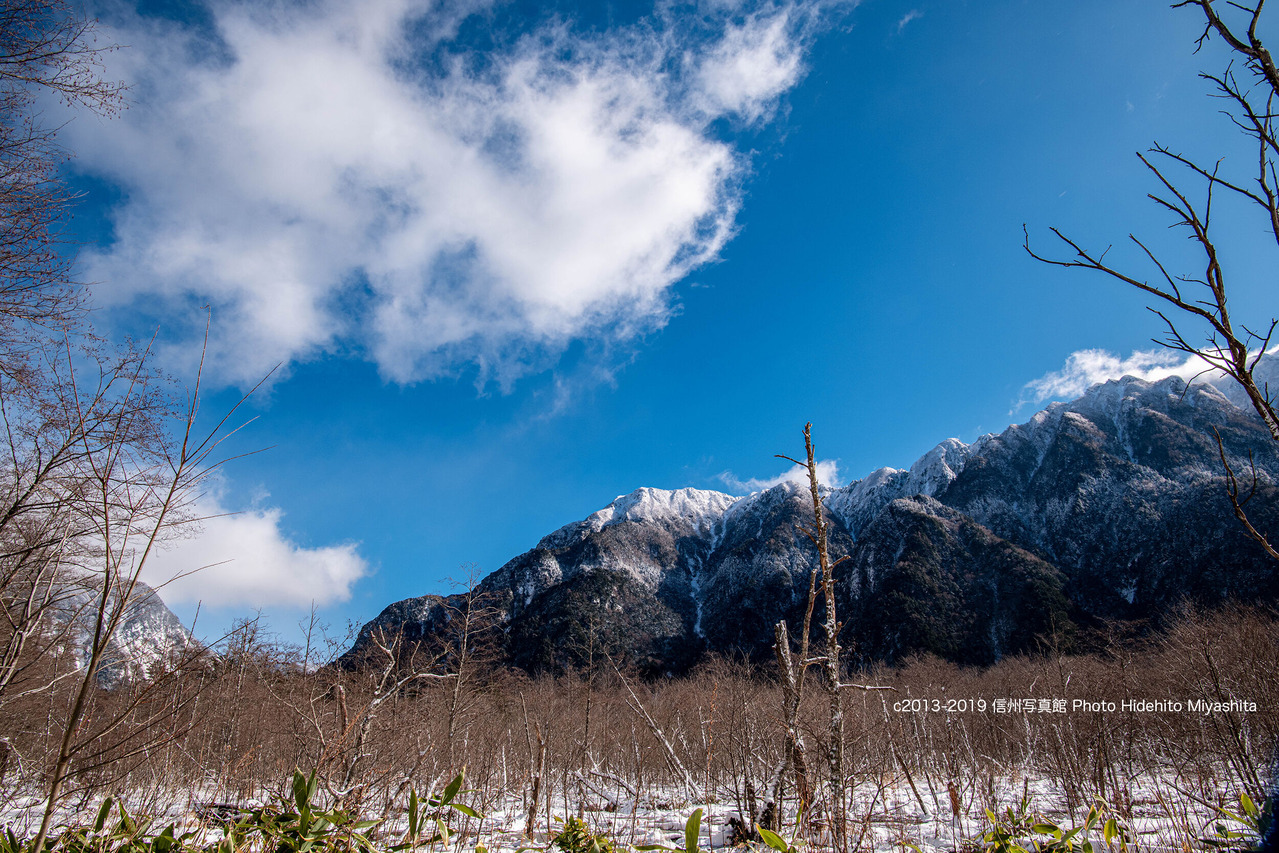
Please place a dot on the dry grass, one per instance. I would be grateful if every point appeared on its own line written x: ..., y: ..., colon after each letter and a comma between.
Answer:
x: 579, y: 744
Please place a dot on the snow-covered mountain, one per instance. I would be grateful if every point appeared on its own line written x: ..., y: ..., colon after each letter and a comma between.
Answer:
x: 1108, y: 507
x: 149, y: 633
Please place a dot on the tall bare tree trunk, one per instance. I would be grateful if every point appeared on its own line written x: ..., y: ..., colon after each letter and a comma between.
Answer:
x: 830, y: 628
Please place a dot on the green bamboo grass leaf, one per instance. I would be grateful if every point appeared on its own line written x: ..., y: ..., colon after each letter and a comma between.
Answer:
x: 451, y: 791
x: 775, y: 841
x: 692, y: 829
x: 165, y: 841
x: 299, y: 790
x: 128, y: 825
x: 1249, y: 807
x: 101, y: 819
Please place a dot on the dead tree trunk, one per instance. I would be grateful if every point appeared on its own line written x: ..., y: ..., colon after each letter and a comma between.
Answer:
x: 830, y: 661
x: 793, y: 753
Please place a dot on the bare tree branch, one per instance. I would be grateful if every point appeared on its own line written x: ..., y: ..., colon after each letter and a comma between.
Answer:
x: 1233, y: 353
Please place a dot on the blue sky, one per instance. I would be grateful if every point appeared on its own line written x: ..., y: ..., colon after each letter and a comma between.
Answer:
x: 516, y: 259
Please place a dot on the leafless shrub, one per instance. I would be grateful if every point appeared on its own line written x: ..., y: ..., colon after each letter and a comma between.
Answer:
x: 576, y: 744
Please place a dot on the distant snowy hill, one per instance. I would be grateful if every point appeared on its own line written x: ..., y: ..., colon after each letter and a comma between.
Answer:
x: 1108, y: 507
x: 149, y: 633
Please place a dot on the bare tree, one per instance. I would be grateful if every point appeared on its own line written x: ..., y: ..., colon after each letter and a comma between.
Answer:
x: 399, y: 670
x: 1228, y: 347
x: 822, y: 578
x: 794, y: 671
x: 55, y: 430
x: 134, y: 483
x: 474, y: 617
x: 99, y: 457
x: 830, y: 629
x: 47, y: 49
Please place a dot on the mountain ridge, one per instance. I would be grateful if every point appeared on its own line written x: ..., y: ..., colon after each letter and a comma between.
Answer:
x: 1110, y: 506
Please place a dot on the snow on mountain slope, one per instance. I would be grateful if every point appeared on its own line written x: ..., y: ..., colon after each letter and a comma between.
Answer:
x: 148, y: 634
x: 1266, y: 375
x: 1110, y: 506
x: 1110, y: 407
x: 694, y: 509
x: 862, y: 500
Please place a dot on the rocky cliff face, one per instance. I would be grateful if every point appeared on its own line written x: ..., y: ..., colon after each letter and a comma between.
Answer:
x: 1108, y: 507
x: 925, y: 577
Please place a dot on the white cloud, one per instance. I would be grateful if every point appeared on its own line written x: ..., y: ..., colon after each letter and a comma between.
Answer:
x: 1086, y: 368
x: 245, y: 559
x: 827, y: 475
x: 318, y: 187
x: 752, y: 65
x: 912, y: 15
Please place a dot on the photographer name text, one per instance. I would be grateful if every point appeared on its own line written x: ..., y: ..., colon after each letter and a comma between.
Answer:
x: 1065, y: 706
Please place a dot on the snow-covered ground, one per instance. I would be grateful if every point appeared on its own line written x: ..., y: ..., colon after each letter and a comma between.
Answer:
x: 891, y: 813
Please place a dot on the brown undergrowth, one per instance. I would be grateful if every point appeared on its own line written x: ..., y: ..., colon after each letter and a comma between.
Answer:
x: 958, y: 740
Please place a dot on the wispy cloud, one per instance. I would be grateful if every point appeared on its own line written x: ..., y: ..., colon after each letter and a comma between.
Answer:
x: 912, y: 15
x: 321, y: 186
x: 750, y: 66
x: 246, y: 559
x: 1086, y: 368
x: 827, y: 475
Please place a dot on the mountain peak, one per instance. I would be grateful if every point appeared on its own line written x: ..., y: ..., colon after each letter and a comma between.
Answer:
x: 696, y: 509
x: 935, y: 470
